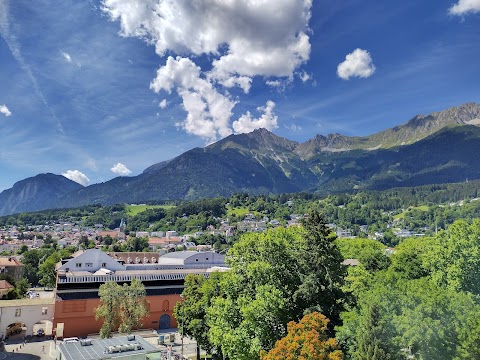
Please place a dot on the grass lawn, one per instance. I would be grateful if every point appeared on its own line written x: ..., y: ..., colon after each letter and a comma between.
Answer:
x: 402, y: 215
x: 133, y: 210
x: 241, y: 212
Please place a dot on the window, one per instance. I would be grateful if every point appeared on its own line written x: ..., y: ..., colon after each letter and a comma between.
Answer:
x: 88, y: 264
x: 206, y: 259
x: 78, y: 265
x: 104, y: 265
x: 196, y: 259
x: 44, y: 310
x: 18, y: 312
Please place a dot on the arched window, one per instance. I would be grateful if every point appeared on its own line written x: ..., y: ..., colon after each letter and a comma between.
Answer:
x: 166, y: 305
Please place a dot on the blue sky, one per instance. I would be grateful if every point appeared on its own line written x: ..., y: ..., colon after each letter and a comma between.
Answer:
x: 96, y: 89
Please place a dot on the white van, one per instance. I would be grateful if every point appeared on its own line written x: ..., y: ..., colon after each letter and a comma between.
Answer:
x: 70, y: 340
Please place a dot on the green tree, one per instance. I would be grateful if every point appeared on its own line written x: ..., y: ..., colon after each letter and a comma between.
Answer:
x: 47, y: 272
x: 191, y: 312
x: 22, y: 287
x: 108, y: 310
x: 455, y: 258
x: 371, y: 337
x: 133, y: 306
x: 322, y: 272
x: 121, y: 308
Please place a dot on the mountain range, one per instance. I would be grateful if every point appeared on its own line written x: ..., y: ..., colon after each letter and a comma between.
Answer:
x: 437, y: 148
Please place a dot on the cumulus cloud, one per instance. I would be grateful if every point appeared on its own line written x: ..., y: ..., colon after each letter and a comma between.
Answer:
x: 359, y: 63
x: 67, y: 56
x: 120, y: 169
x: 268, y: 120
x: 77, y: 176
x: 243, y: 39
x: 4, y: 110
x: 464, y: 7
x: 208, y: 111
x: 163, y: 104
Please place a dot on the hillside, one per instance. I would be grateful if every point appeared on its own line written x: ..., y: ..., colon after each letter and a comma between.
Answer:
x: 35, y: 193
x: 410, y: 132
x: 438, y: 148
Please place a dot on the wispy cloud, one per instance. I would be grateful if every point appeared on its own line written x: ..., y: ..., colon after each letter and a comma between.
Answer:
x: 14, y: 46
x: 4, y: 110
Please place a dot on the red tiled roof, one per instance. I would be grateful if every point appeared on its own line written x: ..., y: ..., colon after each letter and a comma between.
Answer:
x: 4, y: 284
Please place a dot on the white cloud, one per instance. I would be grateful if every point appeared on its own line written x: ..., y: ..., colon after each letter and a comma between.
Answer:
x: 244, y: 39
x: 274, y: 83
x: 304, y: 76
x: 268, y: 120
x: 464, y: 7
x: 262, y: 37
x: 77, y: 176
x: 67, y: 56
x: 208, y: 111
x: 4, y: 110
x: 163, y: 104
x: 357, y: 64
x: 120, y: 169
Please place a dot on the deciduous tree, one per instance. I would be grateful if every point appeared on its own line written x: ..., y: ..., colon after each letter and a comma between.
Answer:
x: 306, y: 340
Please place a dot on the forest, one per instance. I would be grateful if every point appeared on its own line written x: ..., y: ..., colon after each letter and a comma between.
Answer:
x: 288, y: 296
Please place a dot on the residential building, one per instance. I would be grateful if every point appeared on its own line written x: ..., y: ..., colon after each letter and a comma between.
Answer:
x: 11, y: 266
x: 5, y: 287
x: 26, y: 315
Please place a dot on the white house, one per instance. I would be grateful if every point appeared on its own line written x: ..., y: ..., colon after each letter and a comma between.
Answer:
x: 26, y: 315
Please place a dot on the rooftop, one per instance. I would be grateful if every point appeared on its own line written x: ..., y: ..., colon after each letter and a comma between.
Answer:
x: 26, y: 302
x: 99, y: 348
x: 9, y: 261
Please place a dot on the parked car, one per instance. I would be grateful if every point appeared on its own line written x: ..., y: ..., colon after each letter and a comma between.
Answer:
x: 70, y: 339
x: 40, y: 332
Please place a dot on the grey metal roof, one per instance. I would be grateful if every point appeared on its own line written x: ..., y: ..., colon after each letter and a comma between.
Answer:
x: 98, y: 347
x: 180, y: 254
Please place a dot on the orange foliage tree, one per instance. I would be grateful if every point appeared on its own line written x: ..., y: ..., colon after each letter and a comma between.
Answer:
x: 306, y: 340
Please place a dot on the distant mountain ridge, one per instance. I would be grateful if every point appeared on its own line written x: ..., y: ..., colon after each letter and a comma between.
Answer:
x: 437, y: 148
x: 35, y: 193
x: 415, y: 129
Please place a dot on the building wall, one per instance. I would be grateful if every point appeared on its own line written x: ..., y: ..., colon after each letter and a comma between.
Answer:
x: 28, y: 314
x: 78, y: 316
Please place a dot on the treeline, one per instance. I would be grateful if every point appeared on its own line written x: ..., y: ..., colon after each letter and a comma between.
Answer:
x: 287, y: 296
x: 376, y: 210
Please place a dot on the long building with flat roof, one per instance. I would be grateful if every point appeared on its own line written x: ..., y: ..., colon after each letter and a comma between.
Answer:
x: 79, y: 278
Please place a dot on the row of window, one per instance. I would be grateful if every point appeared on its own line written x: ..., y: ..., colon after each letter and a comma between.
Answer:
x: 88, y: 265
x: 18, y: 312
